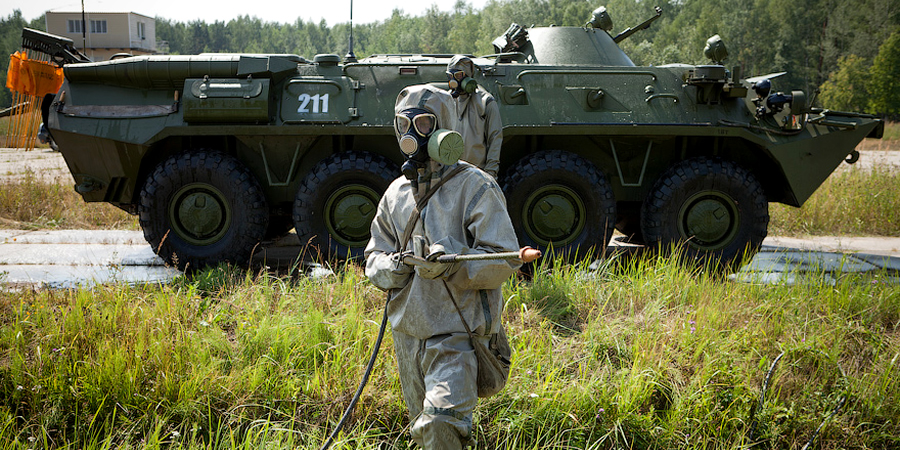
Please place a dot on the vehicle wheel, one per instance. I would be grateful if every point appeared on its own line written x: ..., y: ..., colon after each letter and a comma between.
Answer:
x: 336, y: 203
x: 202, y: 208
x: 560, y: 199
x: 716, y: 207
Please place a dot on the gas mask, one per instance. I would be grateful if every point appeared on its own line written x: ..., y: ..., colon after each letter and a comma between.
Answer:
x: 460, y: 83
x: 420, y: 140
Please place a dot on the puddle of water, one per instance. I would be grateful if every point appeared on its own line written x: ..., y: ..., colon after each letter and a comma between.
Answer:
x: 776, y: 265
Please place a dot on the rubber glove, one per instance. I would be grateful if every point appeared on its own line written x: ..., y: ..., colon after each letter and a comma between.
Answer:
x: 430, y: 268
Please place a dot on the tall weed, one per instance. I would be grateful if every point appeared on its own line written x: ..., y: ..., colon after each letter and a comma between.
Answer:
x: 32, y: 203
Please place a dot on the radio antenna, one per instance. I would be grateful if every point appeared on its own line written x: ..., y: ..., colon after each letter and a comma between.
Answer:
x: 350, y: 57
x: 84, y: 28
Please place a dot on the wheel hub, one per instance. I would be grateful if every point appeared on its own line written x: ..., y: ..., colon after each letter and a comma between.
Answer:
x: 710, y: 220
x: 199, y: 214
x: 554, y: 214
x: 349, y: 212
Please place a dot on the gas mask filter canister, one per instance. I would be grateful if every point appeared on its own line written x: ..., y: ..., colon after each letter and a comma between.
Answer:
x: 446, y: 146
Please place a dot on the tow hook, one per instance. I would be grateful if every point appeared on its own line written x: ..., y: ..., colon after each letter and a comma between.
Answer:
x: 88, y: 184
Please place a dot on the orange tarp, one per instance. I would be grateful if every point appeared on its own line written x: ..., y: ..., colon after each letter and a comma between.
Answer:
x: 30, y: 80
x: 32, y: 77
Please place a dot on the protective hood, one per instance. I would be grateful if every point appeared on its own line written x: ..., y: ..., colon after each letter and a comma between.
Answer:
x: 464, y: 63
x: 427, y: 97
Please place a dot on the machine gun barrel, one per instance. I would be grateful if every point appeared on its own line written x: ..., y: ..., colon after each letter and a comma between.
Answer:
x: 646, y: 24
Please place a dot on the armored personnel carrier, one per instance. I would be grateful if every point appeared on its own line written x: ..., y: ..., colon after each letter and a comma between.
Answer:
x: 218, y: 152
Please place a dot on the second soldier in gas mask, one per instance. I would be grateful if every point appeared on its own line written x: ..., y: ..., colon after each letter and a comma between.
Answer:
x: 477, y: 116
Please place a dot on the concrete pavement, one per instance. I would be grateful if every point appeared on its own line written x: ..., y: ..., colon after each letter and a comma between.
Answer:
x: 71, y: 258
x: 67, y: 259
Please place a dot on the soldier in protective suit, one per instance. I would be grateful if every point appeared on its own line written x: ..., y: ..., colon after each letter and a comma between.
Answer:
x: 465, y: 213
x: 478, y: 116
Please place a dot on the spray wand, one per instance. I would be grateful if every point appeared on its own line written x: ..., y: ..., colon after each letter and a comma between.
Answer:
x: 526, y: 254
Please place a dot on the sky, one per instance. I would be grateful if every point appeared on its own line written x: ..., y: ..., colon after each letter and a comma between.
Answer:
x: 333, y: 11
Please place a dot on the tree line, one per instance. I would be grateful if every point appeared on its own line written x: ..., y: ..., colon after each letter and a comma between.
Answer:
x: 849, y: 49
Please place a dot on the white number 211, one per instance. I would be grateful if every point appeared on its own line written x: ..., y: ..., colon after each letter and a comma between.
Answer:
x: 305, y: 100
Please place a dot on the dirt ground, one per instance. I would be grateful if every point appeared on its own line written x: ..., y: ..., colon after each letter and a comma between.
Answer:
x: 42, y: 162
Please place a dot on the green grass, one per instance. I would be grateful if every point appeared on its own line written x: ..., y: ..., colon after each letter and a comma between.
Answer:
x: 640, y: 354
x: 850, y: 202
x: 891, y: 131
x: 32, y: 203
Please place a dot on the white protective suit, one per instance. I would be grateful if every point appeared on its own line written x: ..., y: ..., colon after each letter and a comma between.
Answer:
x: 478, y: 121
x: 435, y: 358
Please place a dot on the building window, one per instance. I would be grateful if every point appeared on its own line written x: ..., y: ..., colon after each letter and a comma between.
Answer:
x: 141, y: 31
x: 74, y: 26
x: 98, y: 26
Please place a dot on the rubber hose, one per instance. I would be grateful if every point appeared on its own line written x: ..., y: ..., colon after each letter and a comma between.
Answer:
x: 362, y: 384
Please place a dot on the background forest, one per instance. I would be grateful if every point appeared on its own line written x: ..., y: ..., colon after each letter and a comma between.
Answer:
x: 849, y: 49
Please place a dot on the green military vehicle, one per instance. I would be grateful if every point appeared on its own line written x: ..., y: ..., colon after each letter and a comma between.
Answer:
x: 219, y: 152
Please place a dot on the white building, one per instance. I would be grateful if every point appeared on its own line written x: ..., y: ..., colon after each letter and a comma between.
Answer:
x: 102, y: 35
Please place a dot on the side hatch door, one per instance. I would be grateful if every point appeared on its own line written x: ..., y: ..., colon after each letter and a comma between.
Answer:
x: 323, y: 100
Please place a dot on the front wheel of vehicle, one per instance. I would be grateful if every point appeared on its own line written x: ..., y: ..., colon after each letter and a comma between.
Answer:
x: 203, y: 207
x: 337, y: 200
x: 560, y: 200
x: 716, y: 208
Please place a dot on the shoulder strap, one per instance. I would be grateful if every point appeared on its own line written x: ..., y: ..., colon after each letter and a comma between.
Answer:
x: 414, y: 217
x: 486, y: 101
x: 459, y: 311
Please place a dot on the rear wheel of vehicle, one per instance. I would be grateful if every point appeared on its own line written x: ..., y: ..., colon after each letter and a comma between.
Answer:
x: 560, y: 200
x: 716, y: 208
x: 201, y: 208
x: 337, y: 201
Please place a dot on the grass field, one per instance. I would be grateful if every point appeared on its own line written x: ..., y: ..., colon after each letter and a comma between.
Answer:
x: 32, y: 203
x: 641, y: 354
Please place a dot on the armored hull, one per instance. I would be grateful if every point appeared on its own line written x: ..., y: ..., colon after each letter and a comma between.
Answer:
x: 216, y: 153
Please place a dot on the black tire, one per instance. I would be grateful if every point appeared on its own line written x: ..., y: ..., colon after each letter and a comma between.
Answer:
x: 716, y: 207
x: 337, y: 200
x: 577, y: 207
x: 227, y: 219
